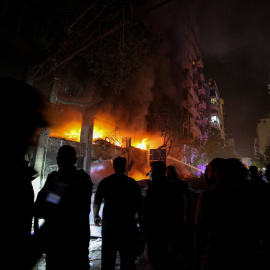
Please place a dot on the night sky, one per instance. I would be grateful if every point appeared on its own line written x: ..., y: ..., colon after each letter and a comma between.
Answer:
x: 235, y: 47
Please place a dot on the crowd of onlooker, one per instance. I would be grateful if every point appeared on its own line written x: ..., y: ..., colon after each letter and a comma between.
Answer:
x: 225, y: 227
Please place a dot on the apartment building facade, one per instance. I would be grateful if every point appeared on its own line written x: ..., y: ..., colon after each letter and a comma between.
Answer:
x: 216, y: 107
x: 263, y: 135
x: 194, y: 105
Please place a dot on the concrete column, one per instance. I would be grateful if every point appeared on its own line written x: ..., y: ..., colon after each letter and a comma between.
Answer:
x: 54, y: 89
x: 41, y: 159
x: 87, y: 136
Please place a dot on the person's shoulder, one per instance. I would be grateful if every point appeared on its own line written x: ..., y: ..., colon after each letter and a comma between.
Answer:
x: 53, y: 176
x: 82, y: 173
x: 131, y: 179
x: 182, y: 182
x: 106, y: 180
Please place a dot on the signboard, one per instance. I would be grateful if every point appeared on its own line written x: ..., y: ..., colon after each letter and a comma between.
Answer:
x: 157, y: 155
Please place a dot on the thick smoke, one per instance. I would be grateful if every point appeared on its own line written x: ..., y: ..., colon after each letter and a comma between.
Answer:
x: 158, y: 74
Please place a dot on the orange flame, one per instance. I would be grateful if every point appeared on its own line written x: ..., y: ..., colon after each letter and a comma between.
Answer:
x: 71, y: 132
x: 141, y: 145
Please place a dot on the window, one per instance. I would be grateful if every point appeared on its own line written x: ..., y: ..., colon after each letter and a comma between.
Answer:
x: 212, y: 93
x: 213, y: 118
x: 213, y: 101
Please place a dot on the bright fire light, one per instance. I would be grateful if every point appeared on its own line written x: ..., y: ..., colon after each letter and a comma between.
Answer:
x: 142, y: 145
x: 98, y: 133
x: 74, y: 135
x: 71, y: 132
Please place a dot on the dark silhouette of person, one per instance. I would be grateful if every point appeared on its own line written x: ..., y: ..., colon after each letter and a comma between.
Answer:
x: 260, y: 195
x: 267, y: 173
x: 180, y: 245
x: 64, y: 202
x: 254, y: 175
x: 122, y: 201
x: 22, y: 113
x: 157, y: 217
x: 222, y: 221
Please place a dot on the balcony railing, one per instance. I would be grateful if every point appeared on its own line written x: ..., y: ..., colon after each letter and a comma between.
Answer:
x: 201, y: 91
x: 195, y: 83
x: 199, y: 64
x: 202, y: 105
x: 214, y: 107
x: 187, y: 82
x: 195, y: 129
x: 194, y: 94
x: 194, y: 112
x: 203, y: 119
x: 186, y: 65
x: 188, y: 101
x: 185, y: 121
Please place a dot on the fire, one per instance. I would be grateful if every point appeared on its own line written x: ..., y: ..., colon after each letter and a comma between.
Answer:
x: 71, y: 131
x: 139, y: 176
x: 142, y: 145
x: 74, y: 135
x: 98, y: 133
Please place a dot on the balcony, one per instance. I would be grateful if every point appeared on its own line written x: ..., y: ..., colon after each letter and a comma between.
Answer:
x: 214, y: 107
x: 194, y: 94
x: 204, y: 120
x: 199, y: 64
x: 201, y: 91
x: 195, y: 83
x: 185, y: 121
x: 202, y: 105
x: 187, y: 82
x: 201, y: 77
x: 186, y: 65
x: 188, y: 101
x: 194, y: 112
x: 191, y: 122
x: 195, y: 129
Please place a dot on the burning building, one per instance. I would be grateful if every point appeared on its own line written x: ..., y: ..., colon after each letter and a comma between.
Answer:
x: 98, y: 120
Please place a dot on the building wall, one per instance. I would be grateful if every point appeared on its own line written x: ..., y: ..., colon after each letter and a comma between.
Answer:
x: 194, y: 94
x: 216, y: 104
x: 263, y: 135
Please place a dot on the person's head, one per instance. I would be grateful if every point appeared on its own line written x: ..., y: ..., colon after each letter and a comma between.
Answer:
x: 66, y: 157
x: 22, y: 112
x: 171, y: 172
x: 214, y: 172
x: 158, y: 169
x: 119, y: 164
x: 236, y: 171
x: 253, y: 171
x: 267, y: 172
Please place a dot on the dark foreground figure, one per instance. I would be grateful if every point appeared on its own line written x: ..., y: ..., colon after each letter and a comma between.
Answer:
x: 21, y: 112
x: 157, y: 217
x: 123, y: 200
x: 181, y: 227
x: 64, y: 202
x: 260, y: 196
x: 223, y: 229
